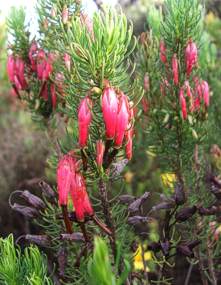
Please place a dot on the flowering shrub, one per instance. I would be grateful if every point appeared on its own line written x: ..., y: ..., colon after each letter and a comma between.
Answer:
x: 80, y: 72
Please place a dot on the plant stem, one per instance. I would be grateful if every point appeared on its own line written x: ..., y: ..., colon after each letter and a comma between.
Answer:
x: 188, y: 274
x: 210, y: 263
x: 66, y: 219
x: 107, y: 214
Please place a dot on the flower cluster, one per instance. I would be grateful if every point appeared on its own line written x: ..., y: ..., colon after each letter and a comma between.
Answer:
x: 71, y: 181
x: 118, y: 118
x: 191, y: 98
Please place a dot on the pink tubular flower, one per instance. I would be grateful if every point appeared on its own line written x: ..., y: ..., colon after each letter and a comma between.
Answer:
x: 53, y: 96
x: 188, y: 89
x: 175, y: 70
x: 65, y: 171
x: 191, y: 56
x: 44, y: 67
x: 100, y: 152
x: 80, y: 198
x: 205, y: 93
x: 123, y: 117
x: 183, y: 104
x: 129, y: 143
x: 84, y: 120
x: 67, y: 61
x: 163, y: 52
x: 109, y: 108
x: 44, y: 91
x: 16, y: 72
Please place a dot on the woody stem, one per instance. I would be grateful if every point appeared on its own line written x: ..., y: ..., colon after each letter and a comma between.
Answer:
x: 101, y: 225
x: 107, y: 214
x: 84, y: 231
x: 66, y: 219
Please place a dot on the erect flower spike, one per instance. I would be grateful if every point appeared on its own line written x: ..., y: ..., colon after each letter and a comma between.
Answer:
x: 84, y: 120
x: 183, y: 104
x: 205, y: 93
x: 65, y: 172
x: 191, y: 56
x: 100, y: 152
x: 163, y: 52
x: 110, y: 109
x: 81, y: 201
x: 175, y: 69
x: 123, y: 117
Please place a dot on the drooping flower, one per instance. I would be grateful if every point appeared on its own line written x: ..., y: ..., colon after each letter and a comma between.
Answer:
x: 65, y: 171
x: 10, y: 68
x: 81, y: 201
x: 183, y: 104
x: 205, y: 93
x: 16, y: 72
x: 110, y: 109
x: 175, y: 69
x: 191, y: 56
x: 123, y: 117
x: 100, y: 152
x: 44, y: 91
x: 84, y: 120
x: 163, y: 52
x: 188, y: 89
x: 44, y: 67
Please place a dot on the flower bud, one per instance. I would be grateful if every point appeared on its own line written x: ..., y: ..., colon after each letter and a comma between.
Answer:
x: 145, y: 105
x: 110, y: 109
x: 100, y: 152
x: 205, y: 93
x: 123, y: 117
x: 129, y: 143
x: 46, y: 189
x: 191, y: 56
x: 33, y: 200
x: 84, y: 120
x: 175, y: 69
x: 78, y: 237
x: 163, y: 52
x: 44, y: 91
x: 65, y: 172
x: 67, y: 61
x: 65, y: 15
x: 81, y: 201
x: 183, y: 104
x: 126, y: 199
x: 44, y: 67
x: 185, y: 213
x: 28, y: 212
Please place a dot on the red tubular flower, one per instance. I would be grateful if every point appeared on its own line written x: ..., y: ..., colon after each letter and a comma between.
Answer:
x: 109, y: 109
x: 183, y: 104
x: 84, y: 120
x: 44, y: 67
x: 163, y: 52
x: 20, y: 73
x: 44, y: 91
x: 80, y: 198
x: 100, y: 152
x: 188, y: 89
x: 65, y: 172
x: 191, y: 56
x: 123, y: 117
x: 175, y: 69
x: 67, y: 61
x: 205, y: 93
x: 53, y: 96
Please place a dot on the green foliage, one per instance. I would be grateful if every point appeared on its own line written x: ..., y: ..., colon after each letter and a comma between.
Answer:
x: 28, y: 268
x: 100, y: 269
